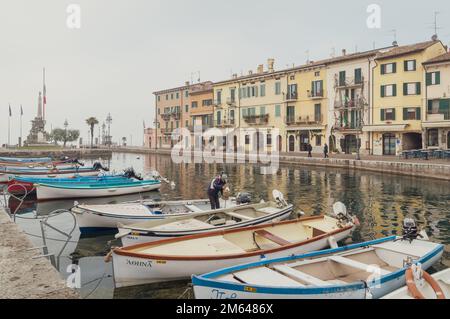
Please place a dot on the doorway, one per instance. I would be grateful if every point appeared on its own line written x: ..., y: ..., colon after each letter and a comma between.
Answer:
x: 291, y: 143
x: 389, y: 144
x: 304, y: 141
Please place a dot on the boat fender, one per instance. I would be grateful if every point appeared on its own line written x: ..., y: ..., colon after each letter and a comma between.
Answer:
x: 411, y: 273
x: 332, y: 242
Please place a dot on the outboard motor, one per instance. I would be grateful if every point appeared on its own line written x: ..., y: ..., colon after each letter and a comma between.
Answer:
x: 130, y: 173
x: 243, y: 198
x: 76, y: 161
x: 410, y: 230
x: 98, y: 166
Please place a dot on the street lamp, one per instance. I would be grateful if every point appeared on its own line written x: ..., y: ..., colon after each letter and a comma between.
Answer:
x: 109, y: 121
x: 66, y: 124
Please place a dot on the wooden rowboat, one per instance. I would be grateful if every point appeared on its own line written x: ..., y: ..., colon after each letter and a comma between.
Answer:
x: 198, y: 223
x: 426, y: 286
x: 366, y: 270
x: 59, y: 191
x: 6, y: 175
x: 100, y: 218
x: 179, y: 258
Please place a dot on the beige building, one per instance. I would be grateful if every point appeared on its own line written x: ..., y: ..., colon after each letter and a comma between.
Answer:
x: 436, y: 124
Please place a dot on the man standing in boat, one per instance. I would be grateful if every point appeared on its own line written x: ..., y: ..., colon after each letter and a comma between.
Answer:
x: 215, y: 187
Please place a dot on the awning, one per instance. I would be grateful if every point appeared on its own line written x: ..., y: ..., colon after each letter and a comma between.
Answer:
x: 306, y: 128
x: 385, y: 128
x: 436, y: 124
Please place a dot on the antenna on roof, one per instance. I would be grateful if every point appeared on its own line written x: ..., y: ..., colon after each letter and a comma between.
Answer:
x: 394, y: 32
x: 333, y: 52
x: 307, y: 56
x: 199, y: 77
x: 435, y: 27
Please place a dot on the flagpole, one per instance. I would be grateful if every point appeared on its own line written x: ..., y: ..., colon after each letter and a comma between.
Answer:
x: 9, y: 126
x: 21, y: 113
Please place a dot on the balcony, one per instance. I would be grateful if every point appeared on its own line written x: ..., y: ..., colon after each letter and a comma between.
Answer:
x: 351, y: 104
x: 345, y: 127
x: 256, y: 119
x: 438, y: 117
x: 304, y: 120
x: 225, y: 123
x: 204, y: 127
x: 348, y: 82
x: 291, y: 96
x: 231, y: 102
x: 176, y: 115
x: 166, y: 131
x: 315, y: 95
x: 218, y: 103
x: 165, y: 116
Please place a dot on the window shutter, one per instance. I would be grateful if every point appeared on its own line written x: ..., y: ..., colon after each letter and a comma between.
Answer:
x: 312, y: 88
x: 405, y: 88
x: 415, y: 65
x: 383, y: 91
x: 394, y: 90
x: 405, y: 65
x: 382, y: 115
x: 438, y: 77
x: 383, y: 69
x: 430, y: 106
x: 393, y: 114
x: 405, y: 114
x: 418, y: 115
x: 418, y: 88
x: 394, y: 67
x: 428, y: 79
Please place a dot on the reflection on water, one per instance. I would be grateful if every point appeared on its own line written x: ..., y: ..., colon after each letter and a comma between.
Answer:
x: 380, y: 201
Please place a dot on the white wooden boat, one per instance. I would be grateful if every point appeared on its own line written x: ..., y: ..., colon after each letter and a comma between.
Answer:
x: 198, y: 223
x: 179, y: 258
x: 423, y: 285
x: 366, y: 270
x: 95, y: 218
x: 59, y: 191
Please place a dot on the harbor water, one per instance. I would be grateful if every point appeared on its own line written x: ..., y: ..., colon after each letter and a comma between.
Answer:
x: 380, y: 201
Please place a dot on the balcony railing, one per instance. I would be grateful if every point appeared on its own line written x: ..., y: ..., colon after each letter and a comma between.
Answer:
x: 203, y: 127
x: 224, y: 123
x: 348, y: 82
x: 315, y: 94
x: 166, y: 116
x: 256, y: 119
x: 218, y: 103
x: 176, y: 115
x: 356, y: 103
x: 304, y: 120
x: 166, y: 131
x: 291, y: 96
x: 231, y: 101
x: 352, y: 126
x: 440, y: 116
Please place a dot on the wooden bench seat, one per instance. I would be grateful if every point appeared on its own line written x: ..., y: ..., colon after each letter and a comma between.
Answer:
x: 303, y: 277
x: 272, y: 237
x: 355, y: 264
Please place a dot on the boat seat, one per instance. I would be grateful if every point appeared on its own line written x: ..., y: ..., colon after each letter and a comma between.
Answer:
x: 354, y: 264
x: 294, y: 273
x: 272, y: 237
x: 269, y: 210
x: 265, y: 276
x: 243, y: 217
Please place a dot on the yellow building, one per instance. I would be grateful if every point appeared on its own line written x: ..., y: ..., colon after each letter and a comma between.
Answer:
x: 306, y: 107
x: 398, y: 102
x: 436, y: 125
x: 249, y: 108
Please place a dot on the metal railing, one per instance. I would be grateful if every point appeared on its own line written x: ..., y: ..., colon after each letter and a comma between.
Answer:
x: 302, y: 120
x: 256, y: 119
x: 291, y: 96
x: 348, y: 81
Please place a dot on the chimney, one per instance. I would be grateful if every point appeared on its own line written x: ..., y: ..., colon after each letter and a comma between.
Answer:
x: 344, y: 52
x: 250, y: 72
x: 187, y: 83
x: 260, y: 68
x: 235, y: 76
x: 270, y: 65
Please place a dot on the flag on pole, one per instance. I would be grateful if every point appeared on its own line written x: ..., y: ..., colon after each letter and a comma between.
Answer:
x: 144, y: 124
x: 21, y: 110
x: 10, y: 114
x: 45, y: 95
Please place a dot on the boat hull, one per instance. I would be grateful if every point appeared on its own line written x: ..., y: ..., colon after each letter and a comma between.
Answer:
x: 132, y: 271
x: 44, y: 192
x: 141, y: 237
x: 6, y: 176
x: 211, y: 289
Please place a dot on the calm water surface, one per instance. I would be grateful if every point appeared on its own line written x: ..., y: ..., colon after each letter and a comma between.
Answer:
x: 381, y: 201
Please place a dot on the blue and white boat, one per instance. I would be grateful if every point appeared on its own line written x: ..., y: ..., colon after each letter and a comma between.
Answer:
x: 47, y: 191
x: 26, y: 159
x: 8, y: 174
x: 366, y: 270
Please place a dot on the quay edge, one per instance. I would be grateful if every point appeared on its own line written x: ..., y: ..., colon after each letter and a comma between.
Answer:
x: 57, y: 153
x: 21, y: 276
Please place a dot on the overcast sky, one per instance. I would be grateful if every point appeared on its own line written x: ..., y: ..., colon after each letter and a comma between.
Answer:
x: 125, y: 50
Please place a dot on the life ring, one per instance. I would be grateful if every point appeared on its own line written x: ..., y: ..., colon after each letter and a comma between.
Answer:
x: 412, y: 287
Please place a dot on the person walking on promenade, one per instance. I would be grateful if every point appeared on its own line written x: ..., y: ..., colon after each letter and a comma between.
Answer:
x: 214, y: 188
x: 325, y: 151
x: 309, y: 149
